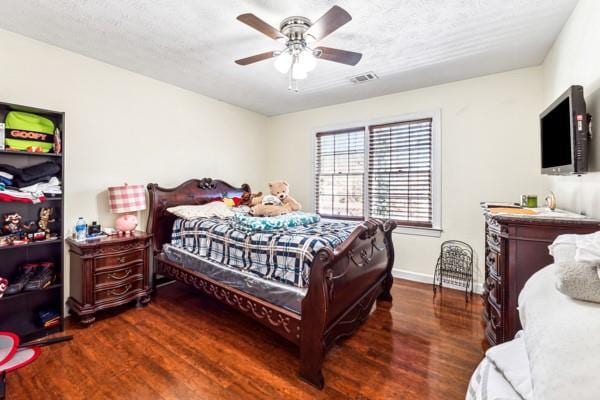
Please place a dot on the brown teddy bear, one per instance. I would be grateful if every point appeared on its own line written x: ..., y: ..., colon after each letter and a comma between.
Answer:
x: 277, y: 203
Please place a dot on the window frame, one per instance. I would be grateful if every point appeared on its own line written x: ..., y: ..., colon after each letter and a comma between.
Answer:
x: 436, y: 167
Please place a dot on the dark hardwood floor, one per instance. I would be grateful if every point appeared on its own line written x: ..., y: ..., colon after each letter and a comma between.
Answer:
x: 186, y: 346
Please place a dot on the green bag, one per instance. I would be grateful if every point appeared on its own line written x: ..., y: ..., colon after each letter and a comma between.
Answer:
x: 25, y: 130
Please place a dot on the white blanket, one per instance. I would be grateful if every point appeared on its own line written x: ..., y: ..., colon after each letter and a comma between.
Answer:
x: 510, y: 359
x: 487, y: 383
x: 561, y: 338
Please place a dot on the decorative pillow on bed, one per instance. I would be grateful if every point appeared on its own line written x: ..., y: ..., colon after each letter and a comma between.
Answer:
x: 214, y: 209
x: 249, y: 223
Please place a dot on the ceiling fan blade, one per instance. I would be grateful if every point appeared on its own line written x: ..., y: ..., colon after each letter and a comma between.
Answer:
x: 254, y: 22
x: 255, y: 58
x: 329, y: 22
x: 337, y: 55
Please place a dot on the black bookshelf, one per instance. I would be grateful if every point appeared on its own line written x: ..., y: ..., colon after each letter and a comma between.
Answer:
x: 18, y: 312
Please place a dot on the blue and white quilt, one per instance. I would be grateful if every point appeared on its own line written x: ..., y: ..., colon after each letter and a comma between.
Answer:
x: 248, y: 223
x: 284, y: 256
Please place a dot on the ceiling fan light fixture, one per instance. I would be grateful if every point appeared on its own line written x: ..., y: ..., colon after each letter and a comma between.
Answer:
x: 283, y: 62
x: 299, y: 57
x: 298, y: 72
x: 307, y: 60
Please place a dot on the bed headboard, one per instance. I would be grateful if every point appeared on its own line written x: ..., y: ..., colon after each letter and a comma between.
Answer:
x: 192, y: 192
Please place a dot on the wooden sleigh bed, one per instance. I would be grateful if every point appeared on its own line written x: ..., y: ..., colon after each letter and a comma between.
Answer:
x: 344, y: 283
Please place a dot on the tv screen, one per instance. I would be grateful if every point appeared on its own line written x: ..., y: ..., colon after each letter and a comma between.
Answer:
x: 564, y: 128
x: 556, y: 136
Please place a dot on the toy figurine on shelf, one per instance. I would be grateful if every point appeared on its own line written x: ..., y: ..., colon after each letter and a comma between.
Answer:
x: 46, y: 218
x: 14, y: 225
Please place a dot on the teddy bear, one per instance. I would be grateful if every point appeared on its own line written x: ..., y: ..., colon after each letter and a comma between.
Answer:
x: 277, y: 203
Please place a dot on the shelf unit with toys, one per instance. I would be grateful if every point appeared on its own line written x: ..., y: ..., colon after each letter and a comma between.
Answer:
x: 21, y: 312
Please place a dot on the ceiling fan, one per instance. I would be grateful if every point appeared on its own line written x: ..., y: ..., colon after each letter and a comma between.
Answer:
x: 298, y: 57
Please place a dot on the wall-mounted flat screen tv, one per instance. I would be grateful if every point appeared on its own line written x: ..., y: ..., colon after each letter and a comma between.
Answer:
x: 565, y: 135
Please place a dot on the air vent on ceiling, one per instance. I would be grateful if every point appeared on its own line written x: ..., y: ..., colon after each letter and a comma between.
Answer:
x: 362, y: 78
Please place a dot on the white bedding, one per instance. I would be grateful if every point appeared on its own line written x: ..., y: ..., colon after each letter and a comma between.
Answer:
x: 487, y: 383
x: 510, y: 359
x: 561, y: 339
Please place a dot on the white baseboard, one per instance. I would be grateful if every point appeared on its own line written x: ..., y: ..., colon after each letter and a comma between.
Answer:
x: 426, y: 278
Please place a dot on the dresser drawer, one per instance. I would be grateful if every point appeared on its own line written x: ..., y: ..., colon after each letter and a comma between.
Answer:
x: 117, y: 293
x: 114, y: 277
x: 117, y: 261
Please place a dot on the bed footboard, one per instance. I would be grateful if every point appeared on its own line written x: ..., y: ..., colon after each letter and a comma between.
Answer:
x: 344, y: 284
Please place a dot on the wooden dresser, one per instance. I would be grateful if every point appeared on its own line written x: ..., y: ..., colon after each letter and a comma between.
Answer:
x: 108, y: 272
x: 516, y: 247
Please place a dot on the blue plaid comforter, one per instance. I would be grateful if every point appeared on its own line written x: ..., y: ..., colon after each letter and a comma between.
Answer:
x: 285, y: 256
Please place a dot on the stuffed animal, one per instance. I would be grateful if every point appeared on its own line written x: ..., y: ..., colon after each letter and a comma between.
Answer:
x: 248, y: 198
x: 266, y: 206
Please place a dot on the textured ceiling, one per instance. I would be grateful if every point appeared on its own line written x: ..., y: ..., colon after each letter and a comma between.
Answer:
x: 192, y: 43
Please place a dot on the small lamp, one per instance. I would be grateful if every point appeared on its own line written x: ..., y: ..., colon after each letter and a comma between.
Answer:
x: 126, y: 199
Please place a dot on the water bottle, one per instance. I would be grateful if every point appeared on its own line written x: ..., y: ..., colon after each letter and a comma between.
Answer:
x: 80, y: 229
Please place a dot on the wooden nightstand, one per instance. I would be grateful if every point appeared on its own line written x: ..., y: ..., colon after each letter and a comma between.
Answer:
x: 108, y: 272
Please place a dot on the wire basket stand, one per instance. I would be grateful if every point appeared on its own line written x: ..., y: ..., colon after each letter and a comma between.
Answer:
x: 455, y: 267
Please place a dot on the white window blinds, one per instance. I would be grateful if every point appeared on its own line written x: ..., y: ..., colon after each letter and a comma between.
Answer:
x: 399, y: 172
x: 340, y: 173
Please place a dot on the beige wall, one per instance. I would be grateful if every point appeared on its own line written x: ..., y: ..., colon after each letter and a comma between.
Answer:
x: 123, y: 127
x: 575, y: 60
x: 490, y: 151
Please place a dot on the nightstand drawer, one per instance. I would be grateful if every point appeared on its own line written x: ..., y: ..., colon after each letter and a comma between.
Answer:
x: 119, y: 260
x: 120, y: 292
x: 116, y: 276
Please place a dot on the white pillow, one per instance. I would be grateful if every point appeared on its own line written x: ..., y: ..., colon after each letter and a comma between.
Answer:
x: 214, y: 209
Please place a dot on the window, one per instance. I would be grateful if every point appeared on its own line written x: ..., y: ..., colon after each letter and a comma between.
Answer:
x: 382, y: 170
x: 340, y: 163
x: 400, y: 172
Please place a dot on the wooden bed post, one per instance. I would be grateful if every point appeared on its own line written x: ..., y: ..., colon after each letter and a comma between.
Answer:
x: 312, y: 324
x: 388, y: 228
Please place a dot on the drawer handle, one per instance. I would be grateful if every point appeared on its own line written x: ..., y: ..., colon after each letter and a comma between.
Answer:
x: 494, y: 239
x: 120, y: 278
x: 114, y: 292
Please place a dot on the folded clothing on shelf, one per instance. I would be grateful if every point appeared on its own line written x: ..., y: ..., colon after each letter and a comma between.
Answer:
x: 23, y: 177
x: 7, y: 174
x: 6, y: 181
x: 9, y: 195
x: 50, y: 187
